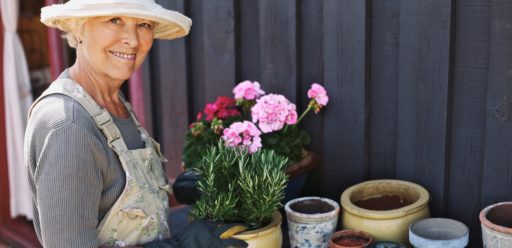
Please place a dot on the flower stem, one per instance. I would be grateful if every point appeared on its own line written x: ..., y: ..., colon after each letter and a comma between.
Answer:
x: 304, y: 114
x: 301, y: 116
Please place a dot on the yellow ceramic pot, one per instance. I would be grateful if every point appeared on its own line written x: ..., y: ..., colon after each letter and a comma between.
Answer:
x: 269, y: 236
x: 390, y: 224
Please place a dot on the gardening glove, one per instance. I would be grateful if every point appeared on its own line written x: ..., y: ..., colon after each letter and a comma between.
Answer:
x: 203, y: 233
x: 185, y: 187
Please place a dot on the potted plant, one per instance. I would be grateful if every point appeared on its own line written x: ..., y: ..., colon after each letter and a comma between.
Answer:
x: 242, y: 184
x: 274, y: 115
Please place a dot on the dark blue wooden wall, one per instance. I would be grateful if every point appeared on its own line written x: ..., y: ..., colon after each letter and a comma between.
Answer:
x: 420, y: 90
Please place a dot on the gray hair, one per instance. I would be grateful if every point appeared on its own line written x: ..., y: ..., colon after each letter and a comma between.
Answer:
x: 73, y: 26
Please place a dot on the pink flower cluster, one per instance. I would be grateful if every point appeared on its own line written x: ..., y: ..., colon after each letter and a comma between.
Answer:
x: 244, y: 134
x: 248, y: 90
x: 223, y: 108
x: 272, y: 111
x: 319, y: 95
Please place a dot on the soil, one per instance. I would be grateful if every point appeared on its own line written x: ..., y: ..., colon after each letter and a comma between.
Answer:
x: 350, y: 240
x: 383, y: 203
x: 311, y: 206
x: 501, y: 215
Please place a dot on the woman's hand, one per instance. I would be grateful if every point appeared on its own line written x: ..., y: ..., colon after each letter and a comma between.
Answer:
x: 185, y: 187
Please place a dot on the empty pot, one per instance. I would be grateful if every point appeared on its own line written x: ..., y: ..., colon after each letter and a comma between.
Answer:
x: 496, y: 223
x: 438, y: 232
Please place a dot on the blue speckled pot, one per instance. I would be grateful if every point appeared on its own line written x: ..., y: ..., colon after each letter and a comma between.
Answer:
x: 311, y: 230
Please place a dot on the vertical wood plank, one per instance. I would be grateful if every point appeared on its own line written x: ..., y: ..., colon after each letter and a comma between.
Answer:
x: 497, y: 169
x: 213, y: 46
x: 423, y: 91
x: 5, y: 212
x: 311, y: 70
x: 248, y: 45
x: 55, y: 45
x: 136, y: 95
x: 468, y: 118
x: 147, y: 95
x: 383, y: 87
x: 345, y: 75
x: 278, y: 49
x: 169, y: 68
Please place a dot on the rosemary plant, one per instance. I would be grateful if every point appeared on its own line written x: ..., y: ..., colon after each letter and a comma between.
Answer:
x: 240, y: 187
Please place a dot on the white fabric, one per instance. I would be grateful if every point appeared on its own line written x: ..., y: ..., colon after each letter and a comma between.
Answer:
x: 169, y: 24
x: 18, y: 98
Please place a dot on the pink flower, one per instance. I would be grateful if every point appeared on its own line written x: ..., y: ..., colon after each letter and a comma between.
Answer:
x: 248, y: 90
x: 243, y: 134
x: 319, y: 94
x: 210, y: 111
x: 272, y: 112
x: 223, y: 108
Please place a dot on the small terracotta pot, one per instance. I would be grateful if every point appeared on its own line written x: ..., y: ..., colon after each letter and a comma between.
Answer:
x: 350, y: 239
x: 496, y: 223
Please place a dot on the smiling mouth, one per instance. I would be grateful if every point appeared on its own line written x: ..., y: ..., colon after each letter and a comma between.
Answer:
x: 123, y: 55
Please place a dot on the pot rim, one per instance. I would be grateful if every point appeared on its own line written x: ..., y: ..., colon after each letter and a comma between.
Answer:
x: 374, y: 244
x: 252, y: 234
x: 354, y: 232
x: 416, y: 206
x: 414, y: 236
x: 487, y: 223
x: 319, y: 215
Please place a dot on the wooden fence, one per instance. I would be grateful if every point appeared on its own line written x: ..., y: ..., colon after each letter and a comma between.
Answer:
x: 420, y: 90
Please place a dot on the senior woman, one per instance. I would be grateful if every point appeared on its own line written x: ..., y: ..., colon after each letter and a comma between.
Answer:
x: 96, y: 175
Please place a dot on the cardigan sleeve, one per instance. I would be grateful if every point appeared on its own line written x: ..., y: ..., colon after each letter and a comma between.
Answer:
x: 68, y: 186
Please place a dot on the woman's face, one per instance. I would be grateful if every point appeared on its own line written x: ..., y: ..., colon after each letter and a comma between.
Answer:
x: 114, y: 47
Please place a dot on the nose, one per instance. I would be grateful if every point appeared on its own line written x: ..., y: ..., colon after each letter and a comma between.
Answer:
x: 130, y: 36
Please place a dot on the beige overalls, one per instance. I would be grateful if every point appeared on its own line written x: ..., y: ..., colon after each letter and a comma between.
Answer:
x: 140, y: 213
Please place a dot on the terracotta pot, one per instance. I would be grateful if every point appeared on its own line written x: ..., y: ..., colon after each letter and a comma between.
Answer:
x: 350, y: 239
x: 268, y: 236
x: 311, y: 221
x: 438, y: 232
x: 496, y: 223
x: 382, y: 220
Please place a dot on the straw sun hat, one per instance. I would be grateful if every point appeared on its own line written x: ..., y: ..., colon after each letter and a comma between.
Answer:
x: 169, y: 24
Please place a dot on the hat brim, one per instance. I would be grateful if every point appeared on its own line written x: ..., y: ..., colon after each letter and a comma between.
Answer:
x: 169, y: 24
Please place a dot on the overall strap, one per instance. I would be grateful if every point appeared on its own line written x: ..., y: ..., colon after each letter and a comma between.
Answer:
x: 101, y: 117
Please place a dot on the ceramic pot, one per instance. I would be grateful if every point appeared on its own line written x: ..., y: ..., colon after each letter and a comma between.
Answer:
x: 311, y: 221
x: 438, y: 232
x: 496, y: 223
x: 384, y: 208
x: 386, y: 244
x: 350, y: 239
x: 268, y: 236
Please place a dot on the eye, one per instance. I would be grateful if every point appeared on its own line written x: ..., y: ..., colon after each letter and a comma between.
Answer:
x: 115, y: 20
x: 146, y: 25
